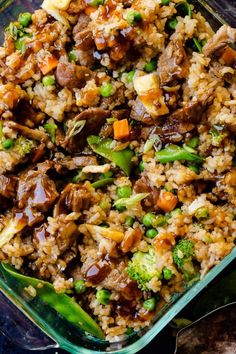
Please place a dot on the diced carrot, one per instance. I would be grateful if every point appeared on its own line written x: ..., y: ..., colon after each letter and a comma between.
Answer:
x: 167, y: 201
x: 121, y: 129
x: 48, y: 64
x: 89, y: 10
x: 229, y: 56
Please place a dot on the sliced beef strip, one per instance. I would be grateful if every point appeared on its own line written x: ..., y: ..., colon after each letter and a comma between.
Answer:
x: 74, y: 163
x: 95, y: 118
x: 37, y: 190
x: 84, y: 42
x: 74, y: 197
x: 34, y: 134
x: 173, y: 63
x: 139, y: 113
x: 71, y: 75
x: 221, y: 38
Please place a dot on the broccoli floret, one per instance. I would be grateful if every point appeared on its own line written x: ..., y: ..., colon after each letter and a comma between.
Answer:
x: 142, y: 268
x: 183, y: 254
x: 23, y: 146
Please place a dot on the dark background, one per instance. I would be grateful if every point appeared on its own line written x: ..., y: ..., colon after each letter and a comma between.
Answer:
x: 164, y: 343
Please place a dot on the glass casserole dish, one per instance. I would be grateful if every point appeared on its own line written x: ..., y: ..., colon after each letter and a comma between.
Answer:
x: 65, y: 335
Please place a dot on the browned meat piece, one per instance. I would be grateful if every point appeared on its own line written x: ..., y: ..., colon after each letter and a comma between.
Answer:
x: 25, y: 114
x: 82, y: 23
x: 139, y: 113
x: 221, y: 38
x: 67, y: 233
x: 115, y: 100
x: 84, y: 43
x: 29, y: 215
x: 8, y: 186
x: 119, y: 281
x: 107, y: 131
x: 74, y: 163
x: 96, y: 272
x: 71, y: 75
x: 76, y: 6
x: 74, y: 197
x: 120, y: 113
x: 173, y: 63
x: 95, y: 118
x: 34, y: 134
x: 36, y: 190
x: 142, y: 186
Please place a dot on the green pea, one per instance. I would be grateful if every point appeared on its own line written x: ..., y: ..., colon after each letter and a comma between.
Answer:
x: 148, y: 219
x: 160, y: 220
x: 129, y: 221
x: 106, y: 90
x: 80, y: 286
x: 194, y: 142
x: 130, y: 76
x: 151, y: 66
x: 167, y: 273
x: 133, y: 17
x: 72, y: 56
x: 25, y: 19
x: 141, y: 166
x: 124, y: 191
x: 165, y: 2
x: 120, y: 208
x: 151, y: 233
x: 7, y: 144
x: 103, y: 296
x: 48, y: 80
x: 202, y: 213
x: 150, y: 304
x: 172, y: 23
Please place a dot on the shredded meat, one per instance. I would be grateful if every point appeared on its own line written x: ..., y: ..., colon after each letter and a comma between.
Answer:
x: 71, y: 75
x: 95, y: 118
x: 34, y: 134
x: 74, y: 197
x: 36, y: 190
x: 139, y: 113
x: 173, y: 63
x: 221, y: 38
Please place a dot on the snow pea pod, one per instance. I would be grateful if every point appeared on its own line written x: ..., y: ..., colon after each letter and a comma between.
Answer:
x: 175, y: 153
x: 62, y: 303
x: 104, y: 148
x: 102, y: 182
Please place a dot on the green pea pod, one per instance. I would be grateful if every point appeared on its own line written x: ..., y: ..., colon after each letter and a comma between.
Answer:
x: 102, y: 182
x: 104, y: 147
x: 62, y: 303
x: 175, y: 153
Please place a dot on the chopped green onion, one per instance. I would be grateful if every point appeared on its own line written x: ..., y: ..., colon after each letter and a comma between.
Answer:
x: 25, y: 19
x: 131, y: 201
x: 133, y: 17
x: 194, y: 168
x: 20, y: 44
x: 150, y: 304
x: 111, y: 120
x: 203, y: 42
x: 106, y: 90
x: 97, y: 2
x: 141, y: 166
x: 7, y: 144
x: 193, y: 142
x: 48, y: 80
x: 151, y: 66
x: 165, y: 2
x: 183, y: 9
x: 102, y: 182
x: 103, y: 296
x: 12, y: 31
x: 129, y: 331
x: 51, y: 130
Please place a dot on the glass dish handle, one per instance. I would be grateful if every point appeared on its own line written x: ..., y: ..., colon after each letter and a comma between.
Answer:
x: 20, y: 330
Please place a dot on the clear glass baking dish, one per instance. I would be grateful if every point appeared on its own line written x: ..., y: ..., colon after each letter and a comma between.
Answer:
x: 56, y: 331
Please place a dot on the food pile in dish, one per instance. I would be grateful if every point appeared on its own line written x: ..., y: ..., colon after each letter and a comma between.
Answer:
x: 117, y: 153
